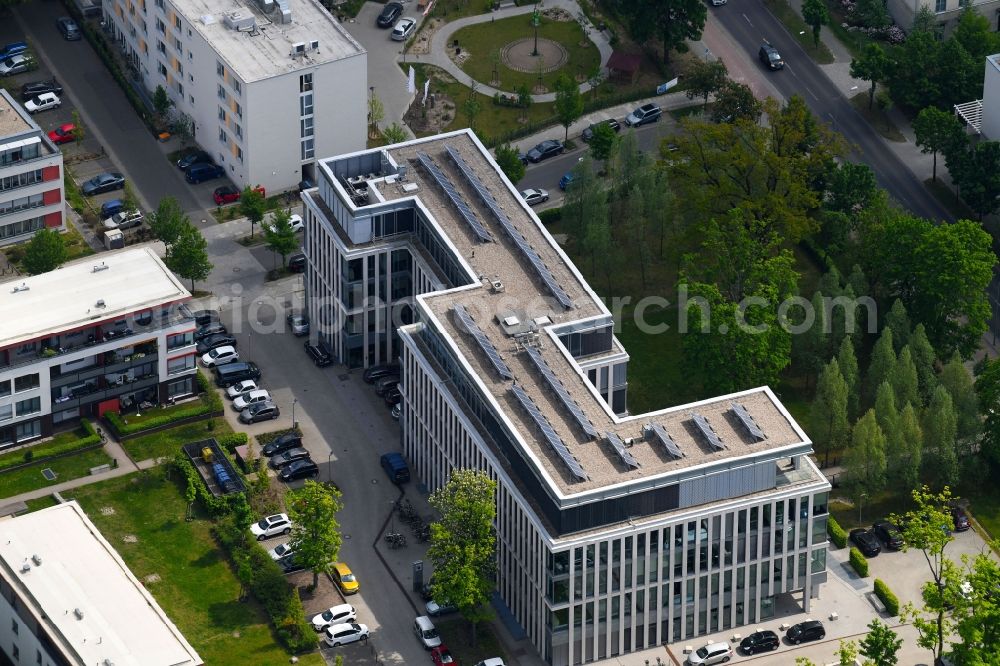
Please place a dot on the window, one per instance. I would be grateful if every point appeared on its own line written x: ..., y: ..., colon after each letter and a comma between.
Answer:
x: 308, y: 149
x: 4, y: 388
x: 239, y: 153
x: 177, y: 22
x: 26, y: 431
x: 239, y: 131
x: 159, y: 3
x: 26, y: 382
x: 161, y: 27
x: 237, y: 87
x: 179, y: 68
x: 180, y: 340
x: 21, y: 180
x: 21, y: 227
x: 179, y: 46
x: 180, y: 90
x: 306, y: 105
x: 16, y: 653
x: 29, y: 406
x: 239, y: 110
x: 222, y: 136
x: 6, y: 412
x: 305, y: 83
x: 13, y: 627
x: 161, y: 69
x: 220, y: 69
x: 180, y: 387
x: 306, y: 126
x: 221, y: 92
x: 222, y: 115
x: 940, y: 5
x: 180, y: 364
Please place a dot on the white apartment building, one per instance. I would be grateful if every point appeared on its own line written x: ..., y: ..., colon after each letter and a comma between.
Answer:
x: 31, y: 176
x: 66, y: 597
x: 268, y: 84
x: 947, y: 12
x: 982, y: 116
x: 103, y: 333
x: 616, y: 531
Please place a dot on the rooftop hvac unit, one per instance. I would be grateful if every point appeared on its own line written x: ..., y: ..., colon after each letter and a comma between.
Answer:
x: 25, y: 568
x: 267, y: 5
x: 240, y: 21
x: 78, y: 613
x: 298, y: 48
x: 314, y: 45
x: 37, y: 559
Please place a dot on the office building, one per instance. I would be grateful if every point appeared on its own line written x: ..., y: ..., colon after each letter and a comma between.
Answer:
x: 982, y: 116
x: 616, y: 531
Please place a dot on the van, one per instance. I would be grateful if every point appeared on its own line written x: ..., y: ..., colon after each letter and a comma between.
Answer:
x: 395, y: 467
x: 231, y: 373
x: 197, y: 173
x: 426, y: 632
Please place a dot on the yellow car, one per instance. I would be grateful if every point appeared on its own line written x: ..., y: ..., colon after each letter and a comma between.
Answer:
x: 345, y: 579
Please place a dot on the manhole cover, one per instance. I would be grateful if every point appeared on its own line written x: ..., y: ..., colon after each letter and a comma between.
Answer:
x: 236, y: 269
x: 49, y: 474
x: 107, y: 510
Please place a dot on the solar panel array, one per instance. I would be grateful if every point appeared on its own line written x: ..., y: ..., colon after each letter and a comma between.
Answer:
x: 706, y: 431
x: 444, y: 182
x: 484, y: 343
x: 744, y: 416
x: 529, y: 252
x: 567, y: 399
x: 554, y: 440
x: 668, y: 442
x: 619, y: 447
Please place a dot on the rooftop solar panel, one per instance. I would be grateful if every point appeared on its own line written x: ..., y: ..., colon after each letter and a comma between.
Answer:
x: 666, y: 440
x: 706, y: 431
x: 619, y: 447
x: 551, y: 436
x: 456, y: 198
x: 744, y: 416
x: 557, y: 386
x: 491, y: 352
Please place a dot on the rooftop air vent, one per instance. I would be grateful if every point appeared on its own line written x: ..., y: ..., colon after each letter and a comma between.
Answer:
x: 497, y: 285
x: 25, y: 568
x: 21, y: 287
x: 100, y: 303
x: 207, y: 19
x: 37, y: 559
x: 100, y: 267
x: 240, y: 21
x: 78, y: 613
x: 314, y: 45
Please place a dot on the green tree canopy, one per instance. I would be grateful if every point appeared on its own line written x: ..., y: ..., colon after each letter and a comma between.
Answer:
x: 509, y: 161
x: 923, y: 359
x: 704, y: 78
x: 958, y: 382
x: 897, y: 320
x: 673, y: 22
x: 988, y: 392
x: 904, y: 379
x: 316, y: 534
x: 936, y: 132
x: 816, y: 15
x: 940, y: 426
x: 910, y: 457
x: 976, y: 171
x: 279, y: 235
x: 252, y: 206
x: 881, y: 644
x: 828, y: 413
x: 865, y: 463
x: 45, y: 251
x: 602, y: 141
x: 189, y: 255
x: 167, y: 221
x: 736, y: 101
x: 880, y: 367
x: 847, y: 361
x: 872, y: 65
x: 569, y: 102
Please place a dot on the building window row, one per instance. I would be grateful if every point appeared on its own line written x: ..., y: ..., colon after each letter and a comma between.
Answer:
x: 21, y: 227
x: 180, y: 340
x: 26, y: 382
x: 180, y: 364
x: 21, y: 154
x: 21, y: 180
x: 29, y: 406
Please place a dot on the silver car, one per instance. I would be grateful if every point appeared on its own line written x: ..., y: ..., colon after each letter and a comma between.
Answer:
x: 403, y: 29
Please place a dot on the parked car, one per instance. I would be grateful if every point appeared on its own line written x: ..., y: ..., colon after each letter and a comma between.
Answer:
x: 297, y: 262
x: 318, y: 353
x: 16, y: 64
x: 287, y: 457
x: 717, y: 3
x: 397, y: 410
x: 544, y: 150
x: 13, y: 48
x: 125, y: 219
x: 300, y: 469
x: 240, y: 388
x: 233, y: 373
x: 220, y: 356
x: 492, y: 661
x: 803, y: 632
x: 280, y: 551
x: 760, y: 641
x: 395, y: 467
x: 44, y: 102
x: 866, y: 542
x: 534, y: 196
x: 36, y: 88
x: 68, y: 28
x: 342, y: 634
x: 588, y: 133
x: 283, y: 442
x: 393, y: 396
x: 770, y: 57
x: 103, y: 182
x: 960, y: 519
x: 197, y: 157
x: 388, y: 382
x: 226, y: 194
x: 262, y: 411
x: 203, y: 332
x: 294, y: 221
x: 426, y: 632
x: 711, y: 654
x: 202, y: 171
x: 111, y: 207
x: 645, y: 114
x: 271, y: 526
x: 389, y: 14
x: 403, y: 29
x: 434, y: 609
x: 298, y: 324
x: 204, y: 317
x: 566, y: 180
x: 290, y: 565
x: 441, y: 656
x: 344, y: 578
x: 338, y: 614
x: 64, y: 134
x: 888, y: 534
x: 244, y: 400
x: 378, y: 371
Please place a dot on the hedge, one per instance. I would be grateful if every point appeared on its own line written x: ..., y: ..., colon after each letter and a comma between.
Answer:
x: 550, y: 215
x: 266, y: 438
x: 217, y: 506
x: 859, y: 562
x: 210, y: 403
x: 837, y: 534
x: 51, y: 449
x: 887, y: 598
x: 232, y: 440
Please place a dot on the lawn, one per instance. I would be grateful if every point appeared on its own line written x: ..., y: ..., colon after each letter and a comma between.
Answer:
x: 160, y: 412
x: 197, y: 589
x: 167, y: 443
x: 884, y: 504
x: 457, y: 635
x: 67, y: 468
x: 483, y: 43
x: 655, y: 375
x: 41, y: 503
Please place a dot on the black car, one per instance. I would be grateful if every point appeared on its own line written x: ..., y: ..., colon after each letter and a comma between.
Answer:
x: 211, y: 342
x: 103, y: 182
x: 888, y: 534
x: 960, y: 519
x: 803, y: 632
x: 318, y: 353
x: 283, y: 442
x: 376, y: 372
x: 385, y: 384
x: 205, y: 317
x: 390, y: 13
x: 214, y: 328
x: 392, y: 397
x: 288, y: 564
x: 297, y: 263
x: 544, y: 150
x: 197, y: 157
x: 760, y: 641
x: 279, y: 460
x: 770, y: 57
x: 588, y: 133
x: 36, y: 88
x: 866, y: 541
x: 300, y: 469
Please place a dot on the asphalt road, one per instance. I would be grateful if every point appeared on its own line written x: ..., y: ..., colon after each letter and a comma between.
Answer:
x: 749, y: 24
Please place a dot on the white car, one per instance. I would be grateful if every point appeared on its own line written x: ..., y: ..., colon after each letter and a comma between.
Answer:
x: 403, y: 29
x: 250, y: 398
x: 492, y: 661
x: 342, y: 634
x: 16, y: 64
x: 280, y: 551
x: 43, y: 102
x: 710, y: 654
x: 125, y: 219
x: 294, y: 221
x: 220, y: 356
x: 342, y: 614
x: 271, y: 526
x: 534, y: 196
x: 238, y: 389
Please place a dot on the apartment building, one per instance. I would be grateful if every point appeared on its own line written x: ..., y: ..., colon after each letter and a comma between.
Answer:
x: 616, y: 531
x: 31, y: 176
x: 66, y: 597
x: 268, y: 84
x: 947, y: 12
x: 100, y: 334
x: 982, y: 116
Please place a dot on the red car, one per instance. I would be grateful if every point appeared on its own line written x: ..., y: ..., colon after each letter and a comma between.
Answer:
x: 228, y: 194
x: 62, y: 134
x: 441, y: 656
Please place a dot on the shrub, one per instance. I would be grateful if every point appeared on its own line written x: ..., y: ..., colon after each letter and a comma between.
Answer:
x: 87, y: 437
x: 550, y: 215
x: 232, y: 440
x: 28, y: 455
x: 234, y: 503
x: 887, y: 598
x: 115, y: 420
x: 859, y: 562
x: 837, y: 534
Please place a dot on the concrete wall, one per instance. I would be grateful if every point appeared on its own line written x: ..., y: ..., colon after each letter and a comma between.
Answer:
x: 991, y: 98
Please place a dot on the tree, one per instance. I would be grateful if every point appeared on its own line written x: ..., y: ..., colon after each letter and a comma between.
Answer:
x: 976, y: 615
x: 910, y: 454
x: 872, y: 14
x: 847, y: 653
x: 828, y: 414
x: 602, y: 141
x: 569, y: 102
x: 598, y: 243
x: 78, y: 131
x: 189, y: 255
x: 881, y: 364
x: 904, y: 379
x: 167, y: 221
x: 161, y: 102
x: 872, y: 65
x: 865, y: 462
x: 394, y: 133
x: 847, y: 362
x: 252, y: 206
x: 471, y: 106
x: 736, y: 101
x: 959, y: 78
x: 463, y: 544
x: 585, y: 201
x: 936, y: 132
x: 509, y: 161
x: 315, y: 537
x: 129, y: 199
x: 923, y: 359
x: 376, y: 114
x: 958, y: 382
x: 852, y: 187
x: 912, y: 73
x: 887, y: 416
x: 524, y: 99
x: 704, y: 78
x: 977, y: 174
x: 816, y: 15
x: 897, y: 320
x: 279, y: 235
x: 881, y: 644
x: 635, y: 230
x: 673, y: 22
x: 940, y: 428
x: 46, y: 251
x: 988, y: 392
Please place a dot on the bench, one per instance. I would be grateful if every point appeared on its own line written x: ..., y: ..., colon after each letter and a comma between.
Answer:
x: 100, y: 469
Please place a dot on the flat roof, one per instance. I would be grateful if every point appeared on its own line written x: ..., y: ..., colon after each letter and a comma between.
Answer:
x: 14, y: 120
x: 89, y: 602
x: 67, y: 298
x: 528, y: 296
x: 265, y: 50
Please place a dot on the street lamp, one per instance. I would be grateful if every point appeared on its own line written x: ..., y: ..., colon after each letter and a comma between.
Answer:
x: 295, y: 401
x: 861, y: 499
x: 535, y: 20
x: 329, y: 468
